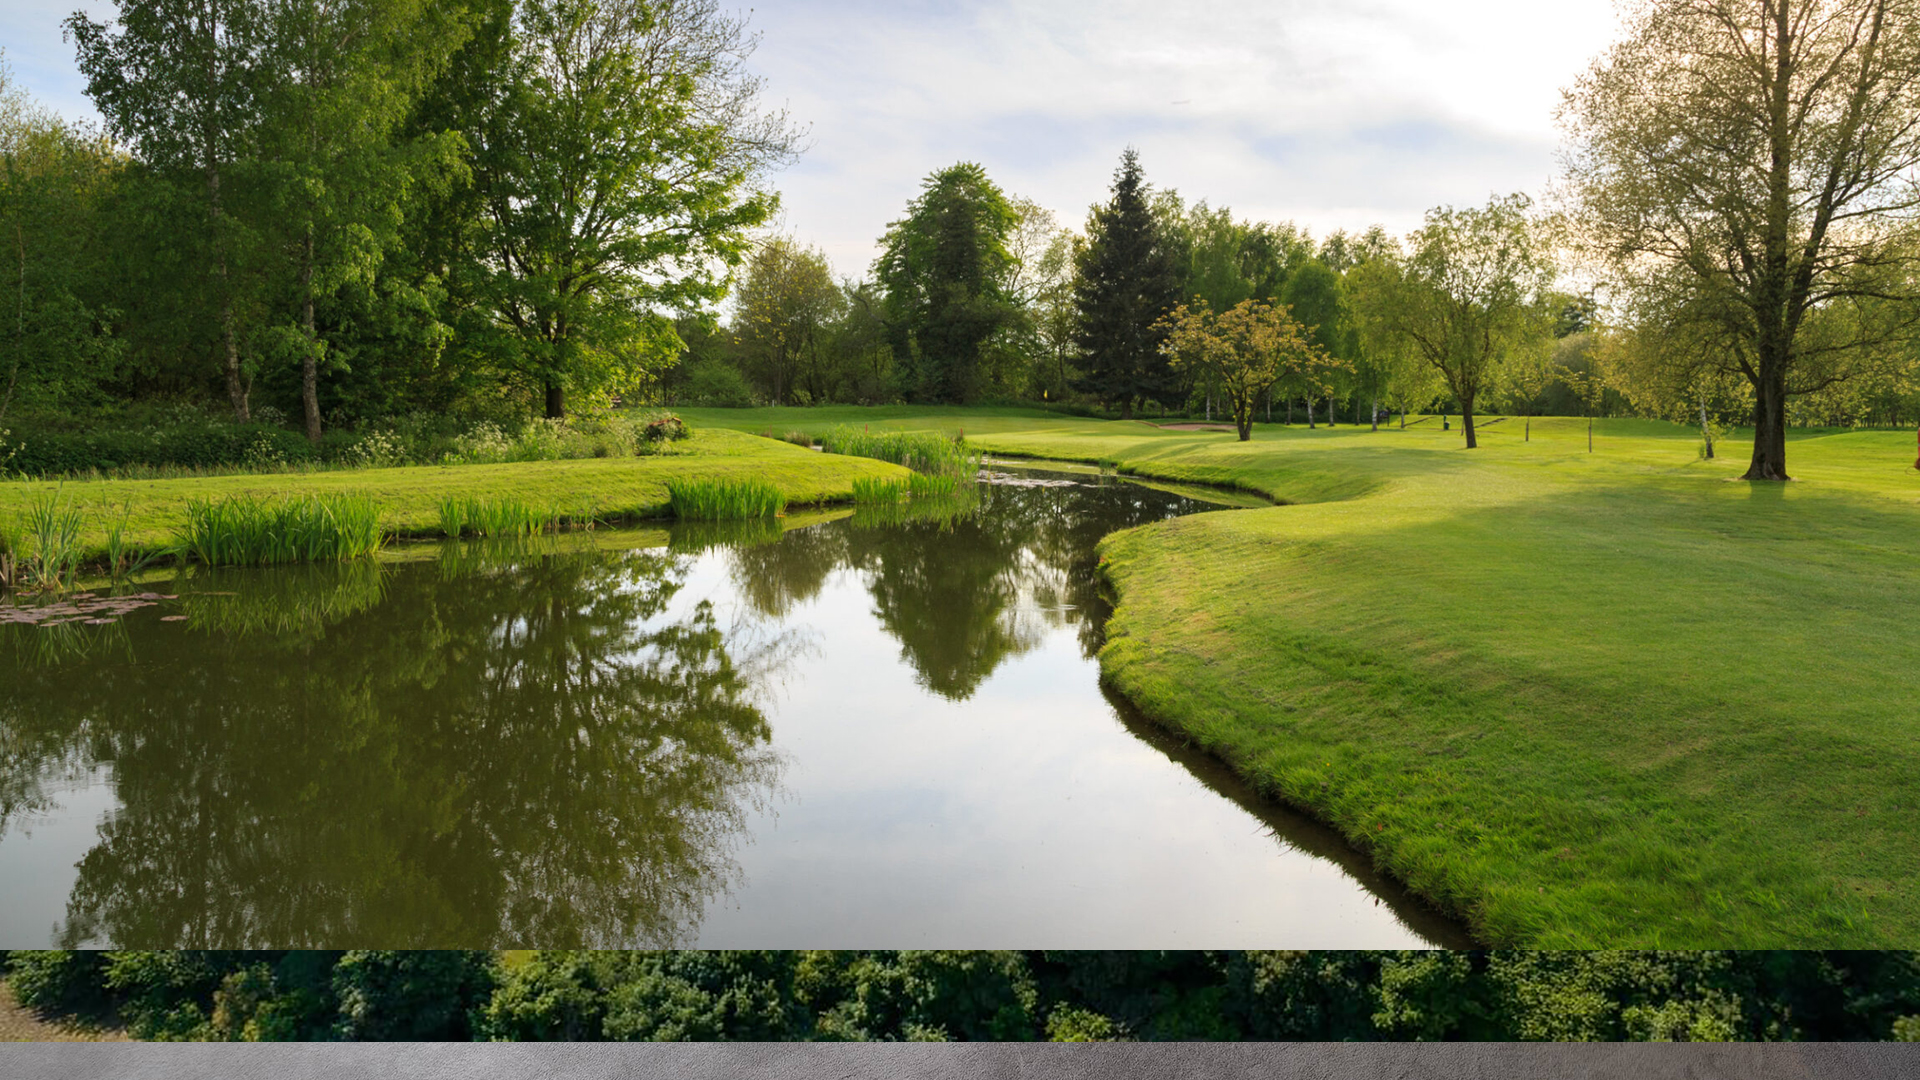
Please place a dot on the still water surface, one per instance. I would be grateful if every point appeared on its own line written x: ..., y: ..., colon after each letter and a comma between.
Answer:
x: 884, y: 730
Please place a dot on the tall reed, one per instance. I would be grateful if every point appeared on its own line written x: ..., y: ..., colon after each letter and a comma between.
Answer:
x: 50, y: 547
x: 921, y: 451
x: 466, y: 515
x: 724, y: 500
x: 243, y: 531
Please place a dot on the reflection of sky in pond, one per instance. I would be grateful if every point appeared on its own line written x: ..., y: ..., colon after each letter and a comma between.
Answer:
x: 1024, y: 816
x: 880, y: 731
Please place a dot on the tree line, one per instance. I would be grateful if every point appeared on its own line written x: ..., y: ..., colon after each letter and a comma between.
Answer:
x: 350, y: 209
x: 1694, y: 995
x: 347, y: 209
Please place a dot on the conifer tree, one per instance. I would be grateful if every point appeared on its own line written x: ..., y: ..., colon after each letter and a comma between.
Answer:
x: 1127, y: 282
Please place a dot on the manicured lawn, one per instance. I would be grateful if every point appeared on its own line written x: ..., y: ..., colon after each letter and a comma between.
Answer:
x: 1608, y: 699
x: 616, y: 488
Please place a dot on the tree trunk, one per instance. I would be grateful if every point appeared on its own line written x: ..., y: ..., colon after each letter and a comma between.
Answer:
x: 1373, y: 412
x: 1466, y: 421
x: 1706, y: 432
x: 556, y: 401
x: 1529, y: 437
x: 310, y: 361
x: 1309, y: 413
x: 1289, y: 412
x: 1769, y: 426
x: 236, y: 390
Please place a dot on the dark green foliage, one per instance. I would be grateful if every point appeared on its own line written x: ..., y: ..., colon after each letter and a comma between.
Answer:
x: 941, y: 270
x: 1128, y: 279
x: 193, y: 444
x: 57, y: 980
x: 387, y: 995
x: 649, y: 996
x: 982, y: 995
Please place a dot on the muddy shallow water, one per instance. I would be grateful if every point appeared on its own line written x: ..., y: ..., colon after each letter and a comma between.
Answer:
x: 884, y: 730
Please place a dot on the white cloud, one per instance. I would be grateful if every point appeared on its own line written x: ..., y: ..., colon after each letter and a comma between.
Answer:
x: 1332, y: 113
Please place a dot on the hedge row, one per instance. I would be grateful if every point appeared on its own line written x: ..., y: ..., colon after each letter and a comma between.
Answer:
x: 201, y: 446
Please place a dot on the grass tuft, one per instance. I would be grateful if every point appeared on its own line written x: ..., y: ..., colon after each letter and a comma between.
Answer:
x: 724, y: 500
x: 242, y: 531
x: 922, y: 451
x: 467, y: 515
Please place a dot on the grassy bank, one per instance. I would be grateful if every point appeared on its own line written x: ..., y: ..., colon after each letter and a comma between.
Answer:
x: 1615, y: 699
x: 410, y: 500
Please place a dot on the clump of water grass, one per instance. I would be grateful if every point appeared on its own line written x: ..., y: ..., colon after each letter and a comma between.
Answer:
x: 43, y: 552
x: 921, y: 451
x: 243, y: 531
x: 799, y: 438
x: 467, y: 515
x: 870, y: 491
x: 724, y: 500
x: 867, y: 490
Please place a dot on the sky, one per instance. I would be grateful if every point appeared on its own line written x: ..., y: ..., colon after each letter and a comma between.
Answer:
x: 1328, y: 113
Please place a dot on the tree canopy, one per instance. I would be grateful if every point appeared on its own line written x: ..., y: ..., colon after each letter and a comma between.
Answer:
x: 1746, y: 167
x: 1128, y: 280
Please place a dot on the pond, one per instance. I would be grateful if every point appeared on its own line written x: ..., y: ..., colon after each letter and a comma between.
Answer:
x: 878, y: 730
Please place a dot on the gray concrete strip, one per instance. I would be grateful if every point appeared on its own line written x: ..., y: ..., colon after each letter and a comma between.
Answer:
x: 979, y: 1061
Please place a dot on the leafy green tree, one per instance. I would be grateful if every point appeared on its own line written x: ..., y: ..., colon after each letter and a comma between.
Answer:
x: 177, y: 81
x: 1467, y: 297
x: 618, y: 169
x: 1244, y: 349
x: 339, y: 79
x: 785, y: 309
x: 1127, y: 280
x: 1747, y: 167
x: 1315, y: 297
x: 1040, y: 286
x: 944, y: 269
x: 55, y: 339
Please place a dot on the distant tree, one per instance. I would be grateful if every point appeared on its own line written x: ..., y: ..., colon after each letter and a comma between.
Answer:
x: 1040, y: 286
x: 619, y: 169
x: 1748, y: 167
x: 1315, y: 296
x: 176, y: 81
x: 1522, y: 379
x: 1127, y: 281
x: 1468, y: 296
x: 944, y: 269
x: 786, y: 307
x: 1244, y: 348
x: 55, y: 341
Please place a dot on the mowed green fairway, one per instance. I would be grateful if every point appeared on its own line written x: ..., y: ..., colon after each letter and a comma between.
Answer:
x: 1608, y: 699
x: 618, y: 488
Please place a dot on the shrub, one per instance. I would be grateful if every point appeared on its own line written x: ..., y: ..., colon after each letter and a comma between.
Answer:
x: 712, y: 383
x: 665, y: 427
x: 724, y: 500
x: 58, y: 980
x: 390, y: 995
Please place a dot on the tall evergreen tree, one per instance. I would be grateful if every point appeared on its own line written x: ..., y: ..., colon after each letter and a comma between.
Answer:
x: 943, y: 268
x: 1127, y: 281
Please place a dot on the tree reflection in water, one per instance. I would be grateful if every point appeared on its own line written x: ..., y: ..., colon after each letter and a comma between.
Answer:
x: 500, y: 748
x: 966, y: 590
x: 357, y: 756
